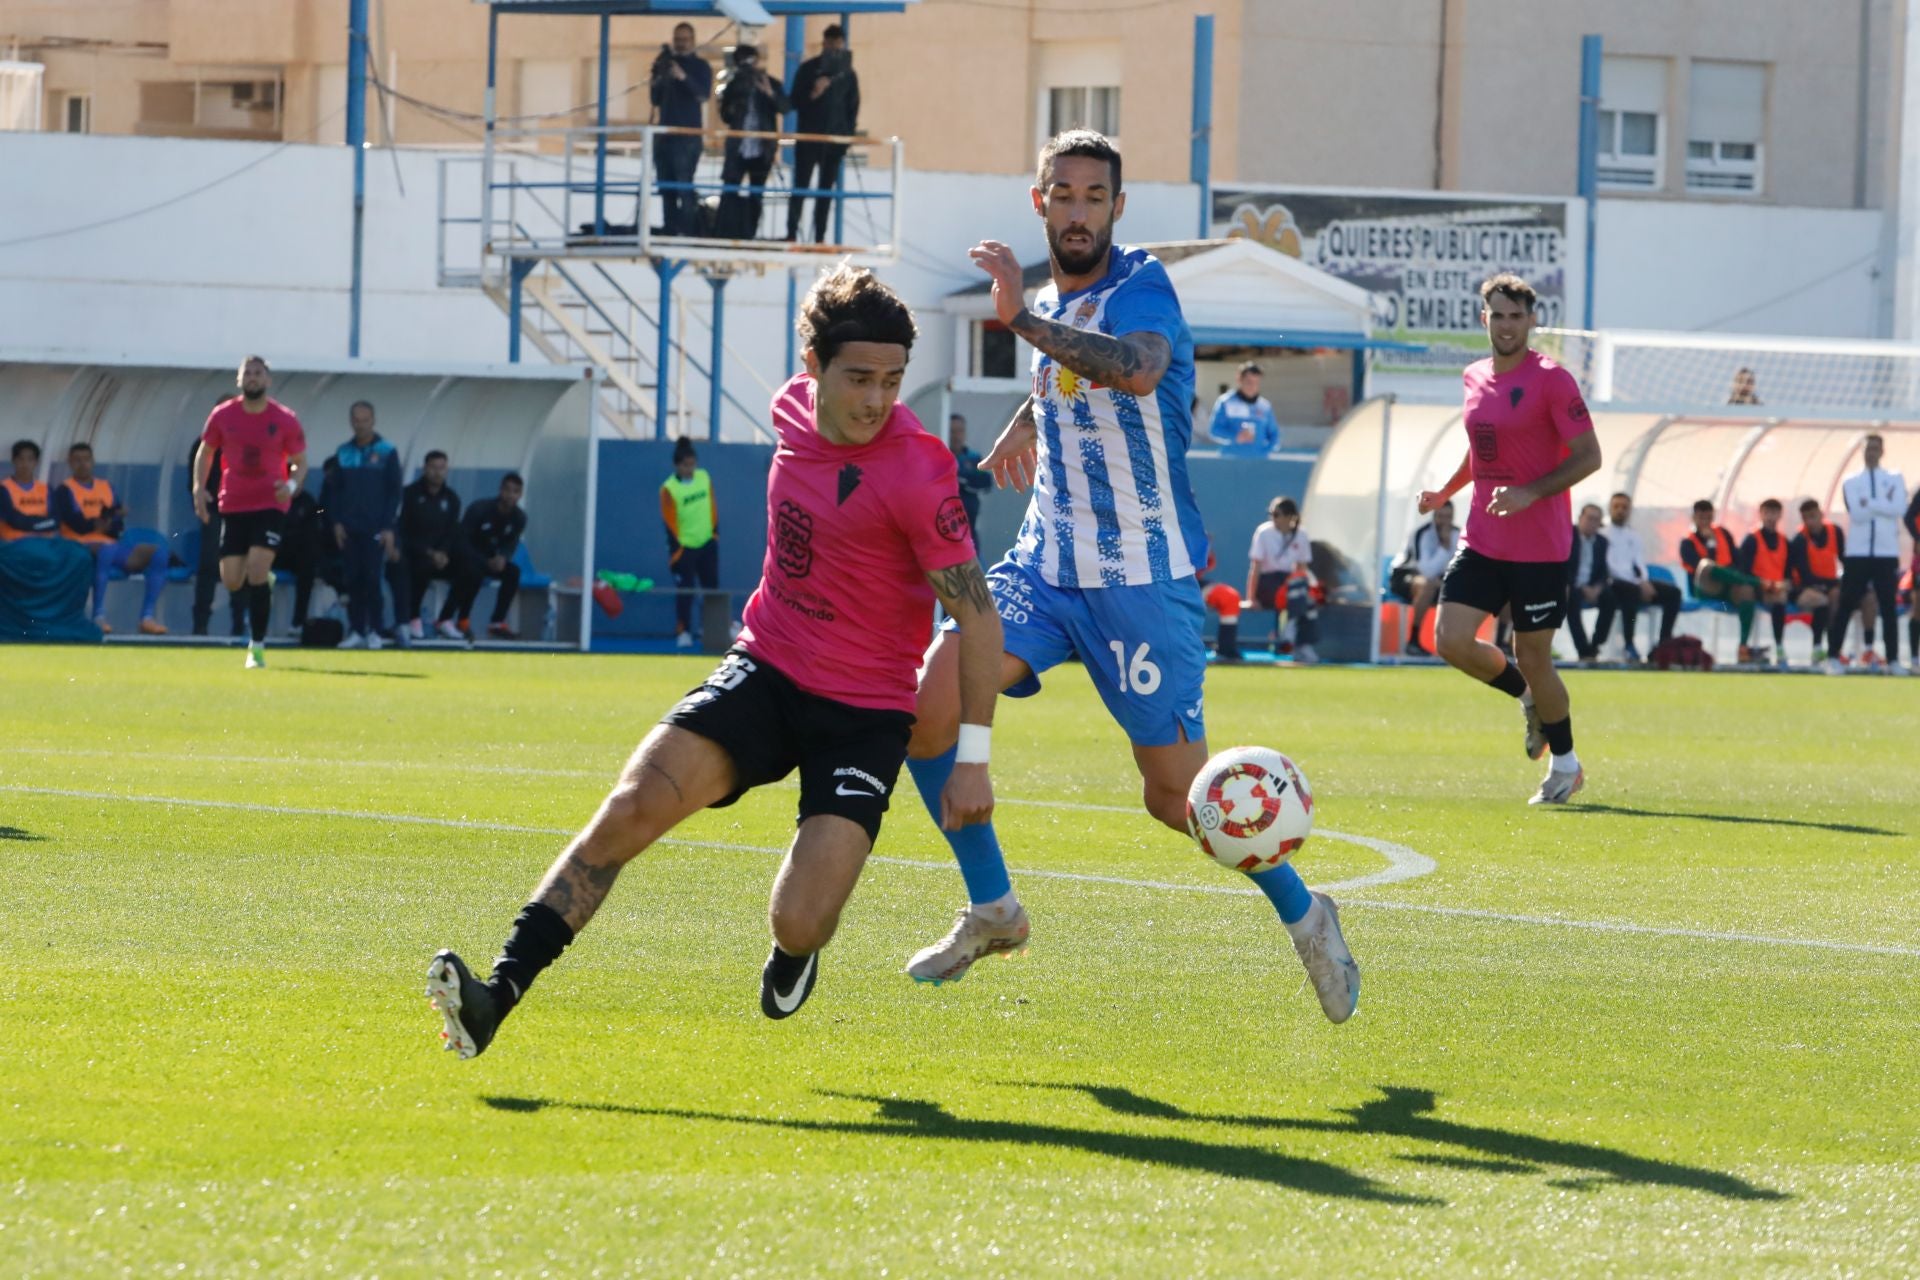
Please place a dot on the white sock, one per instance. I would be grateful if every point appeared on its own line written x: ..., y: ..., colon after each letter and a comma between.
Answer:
x: 1001, y: 910
x: 1568, y: 763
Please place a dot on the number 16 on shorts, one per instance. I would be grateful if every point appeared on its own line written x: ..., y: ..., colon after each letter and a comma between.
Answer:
x: 1137, y: 674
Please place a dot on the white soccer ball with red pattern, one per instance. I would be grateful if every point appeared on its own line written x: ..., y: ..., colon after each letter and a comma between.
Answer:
x: 1249, y: 808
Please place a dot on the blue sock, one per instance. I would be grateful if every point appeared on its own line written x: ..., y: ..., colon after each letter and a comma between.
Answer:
x: 975, y: 847
x: 1286, y: 890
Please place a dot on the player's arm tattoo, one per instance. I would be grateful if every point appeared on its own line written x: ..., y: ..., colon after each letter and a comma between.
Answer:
x: 1134, y: 363
x: 575, y: 888
x: 963, y: 589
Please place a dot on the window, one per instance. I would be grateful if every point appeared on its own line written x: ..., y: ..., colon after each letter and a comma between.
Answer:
x: 994, y: 355
x: 1095, y: 107
x: 1633, y: 98
x: 1079, y: 87
x: 1726, y: 119
x: 76, y: 113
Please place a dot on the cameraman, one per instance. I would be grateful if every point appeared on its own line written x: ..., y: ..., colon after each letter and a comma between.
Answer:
x: 826, y: 94
x: 750, y: 100
x: 679, y: 83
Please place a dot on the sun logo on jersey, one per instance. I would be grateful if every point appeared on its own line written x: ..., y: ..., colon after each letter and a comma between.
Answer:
x: 1072, y: 387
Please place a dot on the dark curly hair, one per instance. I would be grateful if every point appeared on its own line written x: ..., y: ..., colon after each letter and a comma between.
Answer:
x: 1508, y: 285
x: 849, y: 304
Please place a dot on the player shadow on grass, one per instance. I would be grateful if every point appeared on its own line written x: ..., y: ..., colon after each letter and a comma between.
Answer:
x: 1410, y: 1113
x: 379, y: 675
x: 1844, y: 828
x: 18, y: 833
x: 908, y: 1118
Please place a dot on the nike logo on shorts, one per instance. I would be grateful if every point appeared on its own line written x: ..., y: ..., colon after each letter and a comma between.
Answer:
x: 844, y: 790
x: 798, y: 991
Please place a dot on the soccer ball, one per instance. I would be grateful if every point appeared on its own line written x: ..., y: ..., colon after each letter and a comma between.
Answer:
x: 1249, y: 809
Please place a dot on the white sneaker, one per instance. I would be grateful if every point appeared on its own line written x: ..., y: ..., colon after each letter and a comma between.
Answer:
x: 1834, y: 667
x: 256, y: 657
x: 374, y: 642
x: 1330, y: 966
x: 973, y: 937
x: 417, y: 629
x: 354, y: 641
x: 448, y: 631
x: 1536, y: 735
x: 683, y: 641
x: 1304, y: 656
x: 1895, y: 669
x: 1558, y: 786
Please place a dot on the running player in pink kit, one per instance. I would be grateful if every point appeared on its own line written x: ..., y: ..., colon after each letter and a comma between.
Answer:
x: 263, y: 463
x: 864, y: 530
x: 1529, y: 441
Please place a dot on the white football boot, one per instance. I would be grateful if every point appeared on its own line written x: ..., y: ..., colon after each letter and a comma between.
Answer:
x: 1558, y: 786
x: 973, y: 937
x: 1330, y: 966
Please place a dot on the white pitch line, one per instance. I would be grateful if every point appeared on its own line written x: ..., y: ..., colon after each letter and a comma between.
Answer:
x: 1470, y: 913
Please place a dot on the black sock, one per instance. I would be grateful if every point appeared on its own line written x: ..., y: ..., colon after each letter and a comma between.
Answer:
x: 1559, y: 736
x: 538, y: 937
x: 1510, y: 681
x: 260, y: 608
x: 783, y: 968
x: 1913, y: 633
x: 1822, y: 621
x: 1779, y: 612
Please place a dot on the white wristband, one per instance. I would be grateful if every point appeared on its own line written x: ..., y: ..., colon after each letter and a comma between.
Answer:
x: 975, y: 742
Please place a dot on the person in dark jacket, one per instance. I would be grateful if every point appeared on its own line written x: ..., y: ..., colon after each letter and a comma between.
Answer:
x: 1587, y: 579
x: 362, y: 499
x: 307, y: 548
x: 429, y: 536
x: 966, y: 462
x: 826, y: 95
x: 493, y: 528
x: 750, y: 100
x: 679, y: 84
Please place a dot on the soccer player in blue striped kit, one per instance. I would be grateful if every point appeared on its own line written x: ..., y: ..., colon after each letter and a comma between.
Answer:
x: 1104, y: 564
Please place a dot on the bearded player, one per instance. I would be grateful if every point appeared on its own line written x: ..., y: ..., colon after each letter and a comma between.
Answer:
x: 1104, y: 565
x: 1530, y: 439
x: 865, y: 531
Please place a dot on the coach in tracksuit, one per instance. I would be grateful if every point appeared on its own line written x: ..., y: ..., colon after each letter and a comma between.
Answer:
x: 1876, y: 501
x: 362, y: 498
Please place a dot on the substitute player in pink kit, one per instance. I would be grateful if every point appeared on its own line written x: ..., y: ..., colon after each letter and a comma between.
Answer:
x: 864, y: 531
x: 1529, y: 441
x: 263, y: 463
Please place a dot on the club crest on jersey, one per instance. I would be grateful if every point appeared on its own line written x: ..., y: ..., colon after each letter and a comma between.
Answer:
x: 793, y: 540
x: 849, y: 481
x: 950, y: 521
x: 1515, y: 396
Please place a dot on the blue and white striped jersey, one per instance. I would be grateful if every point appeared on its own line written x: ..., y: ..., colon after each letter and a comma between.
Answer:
x: 1112, y: 505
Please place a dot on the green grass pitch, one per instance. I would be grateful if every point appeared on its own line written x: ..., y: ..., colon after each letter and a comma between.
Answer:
x: 1672, y: 1030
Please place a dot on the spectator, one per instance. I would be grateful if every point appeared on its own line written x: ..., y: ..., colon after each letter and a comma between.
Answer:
x: 1767, y: 555
x: 307, y: 548
x: 90, y: 514
x: 23, y: 499
x: 1243, y: 424
x: 1586, y: 579
x: 1708, y: 553
x: 1876, y: 504
x: 1415, y: 574
x: 1278, y: 562
x: 752, y: 101
x: 693, y: 527
x: 429, y: 537
x: 1912, y: 522
x: 492, y: 527
x: 973, y: 481
x: 679, y: 84
x: 362, y: 498
x: 1744, y: 390
x: 826, y: 99
x: 1813, y: 557
x: 1630, y: 586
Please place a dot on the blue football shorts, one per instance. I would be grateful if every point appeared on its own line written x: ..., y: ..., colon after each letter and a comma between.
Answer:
x: 1142, y: 646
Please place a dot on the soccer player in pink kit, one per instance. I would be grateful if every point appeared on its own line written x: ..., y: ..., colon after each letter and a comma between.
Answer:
x: 864, y: 531
x: 1530, y: 440
x: 263, y: 463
